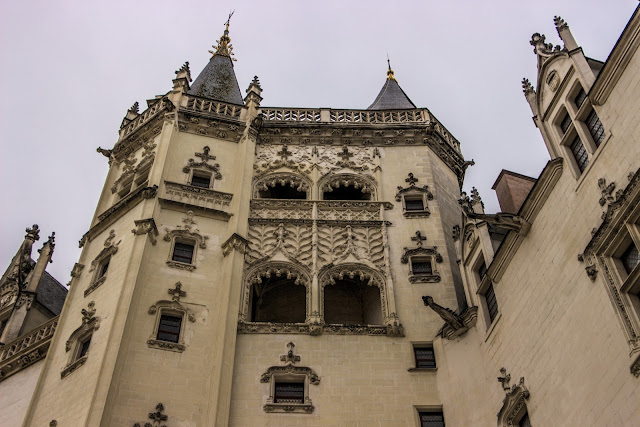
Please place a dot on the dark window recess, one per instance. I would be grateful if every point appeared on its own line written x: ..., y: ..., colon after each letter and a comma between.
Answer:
x: 482, y: 270
x: 630, y: 258
x: 595, y: 128
x: 421, y: 267
x: 280, y: 191
x: 84, y: 347
x: 169, y: 328
x: 524, y: 421
x: 492, y: 302
x: 414, y: 204
x: 200, y: 181
x: 3, y: 325
x: 580, y: 97
x: 425, y: 357
x: 566, y: 122
x: 104, y: 267
x: 346, y: 193
x: 431, y: 419
x: 580, y: 154
x: 183, y: 252
x: 289, y: 393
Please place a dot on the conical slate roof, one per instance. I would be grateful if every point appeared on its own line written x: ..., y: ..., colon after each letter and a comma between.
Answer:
x: 218, y: 81
x: 391, y: 96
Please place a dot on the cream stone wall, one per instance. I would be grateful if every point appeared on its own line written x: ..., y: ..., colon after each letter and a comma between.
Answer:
x: 16, y: 392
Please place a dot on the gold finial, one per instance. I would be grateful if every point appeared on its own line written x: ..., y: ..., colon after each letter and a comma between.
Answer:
x: 224, y: 47
x: 390, y: 75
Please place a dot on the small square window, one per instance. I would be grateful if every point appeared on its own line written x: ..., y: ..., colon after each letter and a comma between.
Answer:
x: 424, y: 356
x: 201, y: 179
x: 289, y: 392
x: 431, y: 419
x: 414, y: 204
x: 630, y: 258
x: 421, y: 266
x: 169, y: 328
x: 580, y: 98
x: 566, y: 122
x: 183, y: 252
x: 84, y: 347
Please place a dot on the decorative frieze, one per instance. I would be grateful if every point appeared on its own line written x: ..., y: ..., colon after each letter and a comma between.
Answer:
x: 199, y: 197
x: 27, y: 349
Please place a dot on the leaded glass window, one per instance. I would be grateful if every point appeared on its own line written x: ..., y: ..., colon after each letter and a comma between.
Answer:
x: 579, y: 153
x: 425, y: 357
x: 566, y: 122
x: 580, y: 98
x: 492, y: 302
x: 431, y: 419
x: 630, y: 258
x: 595, y: 127
x: 169, y: 328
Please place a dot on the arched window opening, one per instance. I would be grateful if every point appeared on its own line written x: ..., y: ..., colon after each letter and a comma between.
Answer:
x: 352, y: 302
x: 348, y: 192
x: 282, y: 191
x: 278, y: 300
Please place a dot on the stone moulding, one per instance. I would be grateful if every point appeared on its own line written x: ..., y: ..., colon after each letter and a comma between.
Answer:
x: 27, y: 349
x: 431, y: 253
x: 109, y: 216
x: 73, y: 366
x: 234, y: 242
x: 148, y: 227
x: 315, y: 330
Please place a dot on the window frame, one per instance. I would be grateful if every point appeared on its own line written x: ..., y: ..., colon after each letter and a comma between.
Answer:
x: 184, y: 240
x: 428, y: 409
x: 173, y: 309
x: 200, y: 173
x: 420, y: 346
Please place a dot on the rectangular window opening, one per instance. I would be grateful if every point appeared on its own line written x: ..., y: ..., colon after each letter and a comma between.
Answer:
x: 104, y: 267
x: 630, y: 258
x: 414, y: 204
x: 84, y: 347
x: 201, y: 179
x: 524, y: 421
x: 595, y: 128
x: 579, y: 153
x: 289, y: 392
x: 183, y: 252
x: 169, y: 328
x: 492, y: 303
x: 431, y: 419
x: 421, y: 266
x: 580, y: 98
x: 425, y: 357
x: 566, y: 122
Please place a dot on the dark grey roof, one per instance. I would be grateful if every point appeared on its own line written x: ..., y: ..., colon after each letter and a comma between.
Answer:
x: 391, y: 97
x: 218, y: 81
x: 51, y: 293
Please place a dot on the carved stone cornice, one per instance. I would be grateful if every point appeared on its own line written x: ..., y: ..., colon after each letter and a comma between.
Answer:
x: 234, y: 242
x: 27, y: 349
x: 197, y: 198
x: 107, y: 218
x: 212, y: 127
x: 146, y: 226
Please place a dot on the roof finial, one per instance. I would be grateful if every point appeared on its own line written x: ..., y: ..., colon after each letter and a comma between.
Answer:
x: 390, y: 75
x: 224, y: 47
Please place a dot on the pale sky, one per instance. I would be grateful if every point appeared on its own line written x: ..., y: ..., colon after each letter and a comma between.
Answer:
x: 71, y: 69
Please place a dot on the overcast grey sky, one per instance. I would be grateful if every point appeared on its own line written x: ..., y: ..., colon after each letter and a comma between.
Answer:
x: 70, y: 70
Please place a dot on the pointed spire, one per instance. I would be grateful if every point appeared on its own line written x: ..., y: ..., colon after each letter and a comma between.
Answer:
x: 217, y: 80
x: 224, y: 47
x: 391, y: 96
x: 390, y: 75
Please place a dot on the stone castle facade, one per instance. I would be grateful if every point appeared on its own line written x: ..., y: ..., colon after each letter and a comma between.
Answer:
x: 252, y: 265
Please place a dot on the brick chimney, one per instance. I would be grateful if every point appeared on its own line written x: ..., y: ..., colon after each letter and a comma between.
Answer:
x: 512, y: 189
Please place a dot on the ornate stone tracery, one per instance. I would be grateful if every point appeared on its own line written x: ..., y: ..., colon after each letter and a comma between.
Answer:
x: 110, y: 249
x: 174, y: 307
x: 214, y: 168
x: 420, y: 252
x: 360, y: 182
x: 90, y: 323
x: 413, y: 192
x: 289, y: 179
x: 514, y: 403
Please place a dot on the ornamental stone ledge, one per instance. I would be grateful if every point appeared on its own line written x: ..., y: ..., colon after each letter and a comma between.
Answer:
x: 166, y: 345
x: 395, y: 330
x: 69, y: 369
x: 27, y: 349
x: 205, y: 199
